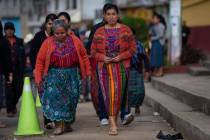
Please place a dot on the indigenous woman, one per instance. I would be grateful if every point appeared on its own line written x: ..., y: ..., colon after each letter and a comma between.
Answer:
x: 158, y: 40
x: 113, y: 46
x: 60, y: 61
x: 36, y: 43
x: 67, y: 19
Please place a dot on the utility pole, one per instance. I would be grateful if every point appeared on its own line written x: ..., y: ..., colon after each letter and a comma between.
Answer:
x: 175, y: 32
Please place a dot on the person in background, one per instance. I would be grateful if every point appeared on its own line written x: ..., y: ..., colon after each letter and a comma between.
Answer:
x: 86, y: 82
x: 5, y: 72
x: 46, y: 31
x: 17, y: 56
x: 113, y: 46
x: 67, y: 19
x: 60, y: 61
x: 185, y: 33
x: 96, y: 94
x: 157, y: 33
x: 139, y: 65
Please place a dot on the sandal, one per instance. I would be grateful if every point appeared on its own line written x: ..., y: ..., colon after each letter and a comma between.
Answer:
x: 59, y: 128
x: 113, y: 132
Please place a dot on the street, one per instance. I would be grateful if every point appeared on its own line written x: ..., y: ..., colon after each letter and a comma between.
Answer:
x: 144, y: 127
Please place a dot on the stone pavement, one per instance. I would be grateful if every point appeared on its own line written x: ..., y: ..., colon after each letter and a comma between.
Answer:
x: 144, y: 127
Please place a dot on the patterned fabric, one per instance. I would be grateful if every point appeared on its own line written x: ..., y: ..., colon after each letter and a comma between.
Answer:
x: 112, y: 42
x: 61, y: 94
x: 127, y: 45
x: 135, y: 58
x: 64, y: 55
x: 61, y: 87
x: 136, y: 90
x: 113, y: 77
x: 156, y: 55
x: 113, y: 82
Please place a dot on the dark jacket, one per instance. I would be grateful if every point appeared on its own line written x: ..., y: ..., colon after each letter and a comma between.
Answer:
x: 1, y: 30
x: 36, y: 45
x: 6, y: 56
x: 5, y: 61
x: 92, y: 32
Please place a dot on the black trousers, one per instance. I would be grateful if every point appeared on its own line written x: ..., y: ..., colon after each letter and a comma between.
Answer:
x: 14, y: 91
x: 2, y: 92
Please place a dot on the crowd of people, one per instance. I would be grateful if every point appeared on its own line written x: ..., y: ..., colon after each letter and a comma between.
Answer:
x: 112, y: 62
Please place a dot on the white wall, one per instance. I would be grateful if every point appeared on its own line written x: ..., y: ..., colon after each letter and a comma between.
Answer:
x: 89, y: 6
x: 86, y: 7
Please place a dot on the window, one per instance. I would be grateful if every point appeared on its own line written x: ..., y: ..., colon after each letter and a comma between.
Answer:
x: 74, y: 4
x: 67, y: 4
x: 56, y: 4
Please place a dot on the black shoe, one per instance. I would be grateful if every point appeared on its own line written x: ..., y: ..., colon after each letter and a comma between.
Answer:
x: 160, y: 135
x: 177, y: 136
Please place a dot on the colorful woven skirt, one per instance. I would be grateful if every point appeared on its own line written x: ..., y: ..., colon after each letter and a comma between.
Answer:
x: 156, y: 55
x: 61, y: 90
x: 113, y: 82
x: 136, y: 90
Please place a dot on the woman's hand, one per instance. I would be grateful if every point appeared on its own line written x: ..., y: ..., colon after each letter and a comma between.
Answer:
x: 10, y: 78
x: 107, y: 59
x: 116, y: 59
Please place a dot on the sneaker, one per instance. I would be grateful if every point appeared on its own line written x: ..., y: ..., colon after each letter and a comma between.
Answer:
x: 128, y: 119
x: 104, y: 122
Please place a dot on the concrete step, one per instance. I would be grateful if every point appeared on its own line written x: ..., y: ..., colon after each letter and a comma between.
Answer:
x: 199, y: 71
x: 191, y: 90
x: 194, y: 125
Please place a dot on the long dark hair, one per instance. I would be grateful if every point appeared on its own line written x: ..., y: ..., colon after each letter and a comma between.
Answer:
x: 109, y: 6
x: 65, y: 14
x: 161, y: 18
x: 48, y: 17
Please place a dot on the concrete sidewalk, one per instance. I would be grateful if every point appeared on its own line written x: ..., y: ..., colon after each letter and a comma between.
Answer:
x: 144, y: 127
